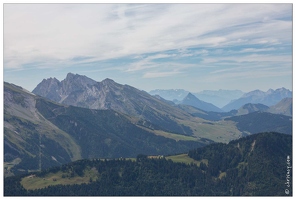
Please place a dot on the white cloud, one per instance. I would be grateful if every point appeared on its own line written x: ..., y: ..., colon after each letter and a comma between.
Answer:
x: 251, y: 58
x: 160, y: 74
x: 56, y: 33
x: 243, y: 75
x: 247, y: 50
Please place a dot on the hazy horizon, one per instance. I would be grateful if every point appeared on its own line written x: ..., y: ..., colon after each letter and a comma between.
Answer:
x: 194, y: 47
x: 155, y: 88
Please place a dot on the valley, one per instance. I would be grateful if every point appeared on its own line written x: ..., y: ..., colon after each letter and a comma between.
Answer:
x: 108, y: 120
x: 80, y: 121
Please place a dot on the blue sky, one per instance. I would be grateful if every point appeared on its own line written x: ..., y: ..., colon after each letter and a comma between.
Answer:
x: 151, y: 46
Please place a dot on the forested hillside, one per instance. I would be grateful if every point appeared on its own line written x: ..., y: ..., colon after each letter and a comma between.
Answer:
x: 255, y: 165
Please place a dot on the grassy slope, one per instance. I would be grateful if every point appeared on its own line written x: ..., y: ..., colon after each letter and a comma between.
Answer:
x: 184, y: 158
x: 174, y: 136
x: 22, y: 122
x: 221, y: 131
x: 63, y: 178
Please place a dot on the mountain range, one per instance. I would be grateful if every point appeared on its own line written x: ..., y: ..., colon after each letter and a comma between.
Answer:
x: 269, y: 98
x: 219, y: 98
x: 63, y: 121
x: 39, y: 133
x: 146, y: 110
x: 77, y: 90
x: 227, y: 100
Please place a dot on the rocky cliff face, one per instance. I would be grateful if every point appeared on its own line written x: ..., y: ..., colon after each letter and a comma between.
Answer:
x: 57, y: 91
x: 81, y: 91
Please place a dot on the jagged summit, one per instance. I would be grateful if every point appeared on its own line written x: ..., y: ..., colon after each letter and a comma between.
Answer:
x: 51, y: 79
x: 81, y: 91
x: 69, y: 75
x: 79, y: 78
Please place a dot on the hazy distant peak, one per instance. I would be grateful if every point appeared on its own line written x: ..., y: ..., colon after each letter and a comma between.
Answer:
x: 282, y: 90
x: 269, y: 98
x: 192, y: 100
x: 190, y: 96
x: 270, y: 91
x: 255, y: 92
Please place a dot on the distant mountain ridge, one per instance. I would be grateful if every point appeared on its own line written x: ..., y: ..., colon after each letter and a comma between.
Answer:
x: 269, y: 98
x: 192, y: 100
x: 219, y: 98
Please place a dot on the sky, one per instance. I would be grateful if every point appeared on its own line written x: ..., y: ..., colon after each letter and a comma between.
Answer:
x: 151, y: 46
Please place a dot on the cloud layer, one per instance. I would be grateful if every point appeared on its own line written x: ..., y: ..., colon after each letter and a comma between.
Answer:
x: 154, y: 40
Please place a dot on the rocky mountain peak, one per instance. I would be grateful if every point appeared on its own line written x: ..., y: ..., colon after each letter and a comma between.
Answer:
x: 192, y: 100
x: 70, y: 75
x: 75, y: 82
x: 190, y: 96
x: 48, y: 87
x: 270, y: 91
x: 80, y: 79
x: 50, y: 81
x: 269, y: 98
x: 283, y: 91
x: 108, y: 81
